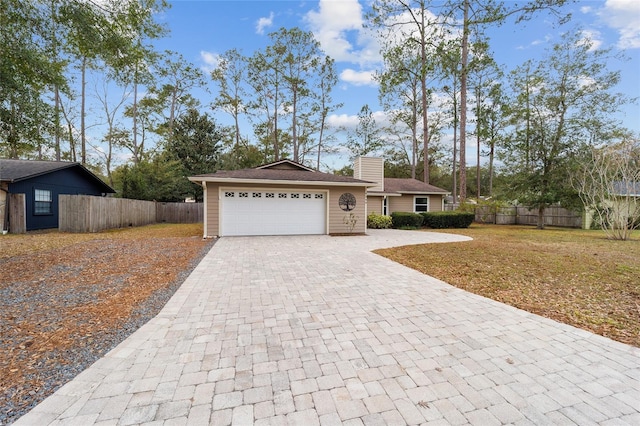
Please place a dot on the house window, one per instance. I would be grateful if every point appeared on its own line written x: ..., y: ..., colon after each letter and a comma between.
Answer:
x: 43, y: 203
x: 257, y: 195
x: 243, y: 194
x: 229, y: 194
x: 319, y: 196
x: 295, y: 195
x: 306, y: 196
x: 270, y: 194
x: 282, y: 195
x: 385, y: 206
x: 421, y: 204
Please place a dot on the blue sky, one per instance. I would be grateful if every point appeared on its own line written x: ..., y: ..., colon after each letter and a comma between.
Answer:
x: 201, y: 30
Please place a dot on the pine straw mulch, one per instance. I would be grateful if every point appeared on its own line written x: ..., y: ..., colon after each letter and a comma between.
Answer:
x: 573, y: 276
x: 67, y: 299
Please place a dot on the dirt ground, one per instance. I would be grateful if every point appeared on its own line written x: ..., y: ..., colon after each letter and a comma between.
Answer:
x: 67, y: 299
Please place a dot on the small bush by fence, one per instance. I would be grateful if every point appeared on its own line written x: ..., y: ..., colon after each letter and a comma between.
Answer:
x: 521, y: 215
x: 84, y: 213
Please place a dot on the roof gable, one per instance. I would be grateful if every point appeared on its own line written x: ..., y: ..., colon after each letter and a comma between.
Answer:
x: 285, y: 165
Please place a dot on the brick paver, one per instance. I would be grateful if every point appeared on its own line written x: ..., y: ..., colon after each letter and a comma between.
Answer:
x: 319, y: 330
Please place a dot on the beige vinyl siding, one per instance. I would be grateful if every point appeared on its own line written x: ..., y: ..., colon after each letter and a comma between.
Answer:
x: 213, y: 210
x: 435, y: 203
x: 374, y: 204
x: 370, y: 169
x: 337, y: 215
x: 403, y: 203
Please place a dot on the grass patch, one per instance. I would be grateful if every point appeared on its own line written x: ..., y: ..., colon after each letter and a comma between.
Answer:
x: 574, y: 276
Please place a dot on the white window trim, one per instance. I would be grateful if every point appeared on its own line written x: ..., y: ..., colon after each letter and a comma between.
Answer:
x: 414, y: 202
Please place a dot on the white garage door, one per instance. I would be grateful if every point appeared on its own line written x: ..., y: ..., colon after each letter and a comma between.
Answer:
x: 285, y: 212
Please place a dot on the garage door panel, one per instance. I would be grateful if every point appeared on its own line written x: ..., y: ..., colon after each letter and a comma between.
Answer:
x: 272, y: 212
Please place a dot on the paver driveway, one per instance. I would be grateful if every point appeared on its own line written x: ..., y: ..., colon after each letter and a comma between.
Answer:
x: 319, y: 330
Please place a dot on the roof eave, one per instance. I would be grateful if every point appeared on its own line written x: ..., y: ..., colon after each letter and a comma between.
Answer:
x: 384, y: 194
x: 199, y: 179
x: 424, y: 192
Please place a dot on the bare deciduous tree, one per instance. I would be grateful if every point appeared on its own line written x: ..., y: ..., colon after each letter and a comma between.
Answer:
x: 609, y: 187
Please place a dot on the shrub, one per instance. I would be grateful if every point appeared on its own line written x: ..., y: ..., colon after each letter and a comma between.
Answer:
x: 406, y: 220
x: 454, y: 219
x: 378, y: 221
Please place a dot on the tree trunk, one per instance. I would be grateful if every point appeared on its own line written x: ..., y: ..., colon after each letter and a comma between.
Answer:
x: 83, y: 139
x: 541, y: 217
x: 455, y: 141
x: 423, y: 84
x: 478, y: 143
x: 56, y: 118
x: 463, y: 102
x: 135, y: 118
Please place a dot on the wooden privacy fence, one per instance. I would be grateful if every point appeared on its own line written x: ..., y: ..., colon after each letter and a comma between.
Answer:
x: 180, y: 212
x: 522, y: 215
x: 85, y: 213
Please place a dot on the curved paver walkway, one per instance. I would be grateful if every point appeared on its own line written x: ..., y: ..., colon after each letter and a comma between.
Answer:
x: 319, y: 330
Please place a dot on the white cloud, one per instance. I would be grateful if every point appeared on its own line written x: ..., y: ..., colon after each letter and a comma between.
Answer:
x: 358, y: 78
x: 211, y: 61
x: 338, y: 26
x: 263, y: 23
x: 350, y: 122
x: 623, y: 16
x: 342, y: 121
x: 585, y: 9
x: 593, y: 37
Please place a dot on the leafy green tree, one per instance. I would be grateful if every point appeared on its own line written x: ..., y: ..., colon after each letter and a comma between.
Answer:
x: 291, y: 79
x: 418, y: 32
x: 131, y: 57
x: 177, y: 79
x: 195, y: 144
x: 230, y: 77
x: 25, y: 74
x: 156, y: 179
x: 365, y: 139
x: 399, y: 92
x: 86, y: 41
x: 566, y: 99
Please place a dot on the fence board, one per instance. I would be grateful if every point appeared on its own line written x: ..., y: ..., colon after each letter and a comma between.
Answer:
x: 85, y: 213
x: 180, y: 212
x: 522, y: 215
x: 17, y: 213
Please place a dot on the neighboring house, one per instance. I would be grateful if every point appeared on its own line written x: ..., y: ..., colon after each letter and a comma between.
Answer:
x: 397, y: 195
x: 42, y: 182
x: 281, y: 198
x: 623, y: 204
x: 287, y: 198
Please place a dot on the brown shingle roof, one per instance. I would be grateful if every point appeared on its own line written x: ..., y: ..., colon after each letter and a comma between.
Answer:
x: 411, y: 185
x: 296, y: 173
